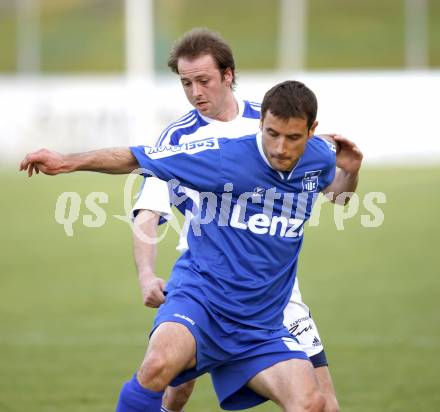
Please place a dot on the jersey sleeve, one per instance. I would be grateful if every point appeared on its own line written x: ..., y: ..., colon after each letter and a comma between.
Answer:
x: 153, y: 196
x: 196, y: 165
x: 329, y: 171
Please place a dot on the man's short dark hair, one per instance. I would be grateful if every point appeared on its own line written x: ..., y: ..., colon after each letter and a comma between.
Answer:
x: 291, y: 99
x: 199, y: 42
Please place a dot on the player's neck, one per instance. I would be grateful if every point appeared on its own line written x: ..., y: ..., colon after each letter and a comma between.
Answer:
x: 230, y: 111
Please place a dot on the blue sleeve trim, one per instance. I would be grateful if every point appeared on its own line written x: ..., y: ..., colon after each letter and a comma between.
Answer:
x: 168, y: 131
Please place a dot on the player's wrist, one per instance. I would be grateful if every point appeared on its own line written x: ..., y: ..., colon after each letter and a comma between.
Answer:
x: 67, y: 165
x: 351, y: 172
x: 147, y: 276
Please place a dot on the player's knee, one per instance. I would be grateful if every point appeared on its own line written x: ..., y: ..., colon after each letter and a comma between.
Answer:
x: 176, y: 398
x: 314, y: 403
x: 153, y: 372
x: 309, y: 402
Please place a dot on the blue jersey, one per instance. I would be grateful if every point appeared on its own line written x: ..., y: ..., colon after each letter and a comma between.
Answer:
x: 245, y: 241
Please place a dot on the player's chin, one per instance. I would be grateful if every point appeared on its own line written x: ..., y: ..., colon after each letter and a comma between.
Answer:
x: 282, y: 165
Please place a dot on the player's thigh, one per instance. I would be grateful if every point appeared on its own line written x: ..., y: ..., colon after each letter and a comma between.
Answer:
x: 291, y: 382
x: 172, y: 349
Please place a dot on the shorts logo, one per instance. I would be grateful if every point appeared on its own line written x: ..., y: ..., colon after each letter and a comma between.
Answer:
x: 310, y: 181
x: 178, y: 315
x: 294, y: 330
x: 316, y: 342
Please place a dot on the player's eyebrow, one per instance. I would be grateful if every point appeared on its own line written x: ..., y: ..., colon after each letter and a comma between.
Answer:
x: 198, y: 77
x: 269, y: 129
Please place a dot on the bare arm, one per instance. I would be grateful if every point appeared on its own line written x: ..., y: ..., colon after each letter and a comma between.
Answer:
x: 144, y: 249
x: 117, y: 160
x: 348, y: 161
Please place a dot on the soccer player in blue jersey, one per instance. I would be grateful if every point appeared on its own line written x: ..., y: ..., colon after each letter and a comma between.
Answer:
x: 206, y: 68
x: 226, y: 315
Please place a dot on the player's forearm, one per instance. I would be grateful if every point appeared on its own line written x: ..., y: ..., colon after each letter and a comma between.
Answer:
x: 144, y: 246
x: 145, y: 260
x: 344, y: 182
x: 113, y: 160
x: 152, y: 287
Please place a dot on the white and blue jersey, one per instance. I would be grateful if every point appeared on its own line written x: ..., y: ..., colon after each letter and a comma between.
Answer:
x: 195, y: 126
x: 245, y: 241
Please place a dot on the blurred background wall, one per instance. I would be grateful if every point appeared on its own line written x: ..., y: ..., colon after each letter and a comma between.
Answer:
x: 80, y: 74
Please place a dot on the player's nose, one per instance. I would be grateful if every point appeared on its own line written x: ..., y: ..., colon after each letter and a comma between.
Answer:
x: 195, y: 90
x: 281, y: 147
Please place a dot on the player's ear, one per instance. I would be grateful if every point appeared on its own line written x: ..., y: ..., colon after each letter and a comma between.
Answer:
x: 228, y: 77
x: 312, y: 129
x: 261, y: 124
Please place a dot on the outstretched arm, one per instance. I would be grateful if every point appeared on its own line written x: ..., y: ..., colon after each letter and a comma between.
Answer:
x: 348, y: 161
x: 118, y: 160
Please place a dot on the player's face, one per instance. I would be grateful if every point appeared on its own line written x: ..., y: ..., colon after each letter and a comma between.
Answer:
x: 284, y: 141
x: 204, y: 87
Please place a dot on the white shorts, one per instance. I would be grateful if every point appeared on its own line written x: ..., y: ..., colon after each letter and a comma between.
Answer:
x: 300, y: 324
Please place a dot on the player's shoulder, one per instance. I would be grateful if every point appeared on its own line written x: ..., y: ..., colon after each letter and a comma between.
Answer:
x: 321, y: 150
x: 323, y: 144
x: 251, y: 110
x: 186, y: 124
x: 239, y: 140
x: 238, y: 143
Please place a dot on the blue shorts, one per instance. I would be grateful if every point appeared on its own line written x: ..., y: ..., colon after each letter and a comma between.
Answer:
x: 231, y: 352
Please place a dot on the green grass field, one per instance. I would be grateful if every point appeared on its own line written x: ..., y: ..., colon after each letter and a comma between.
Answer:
x: 73, y: 327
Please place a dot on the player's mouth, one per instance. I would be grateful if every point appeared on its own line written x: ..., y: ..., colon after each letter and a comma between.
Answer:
x: 202, y: 105
x: 281, y: 159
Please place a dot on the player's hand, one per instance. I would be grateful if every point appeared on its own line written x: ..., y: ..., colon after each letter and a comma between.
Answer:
x: 152, y: 292
x: 348, y: 155
x: 43, y: 160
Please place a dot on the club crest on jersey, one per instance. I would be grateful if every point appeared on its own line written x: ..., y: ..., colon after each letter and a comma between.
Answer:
x: 311, y: 180
x: 159, y: 152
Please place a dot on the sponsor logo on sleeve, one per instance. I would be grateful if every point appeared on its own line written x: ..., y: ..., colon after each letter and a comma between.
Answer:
x: 159, y: 152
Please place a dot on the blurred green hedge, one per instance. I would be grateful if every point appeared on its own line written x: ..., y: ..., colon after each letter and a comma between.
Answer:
x: 88, y: 35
